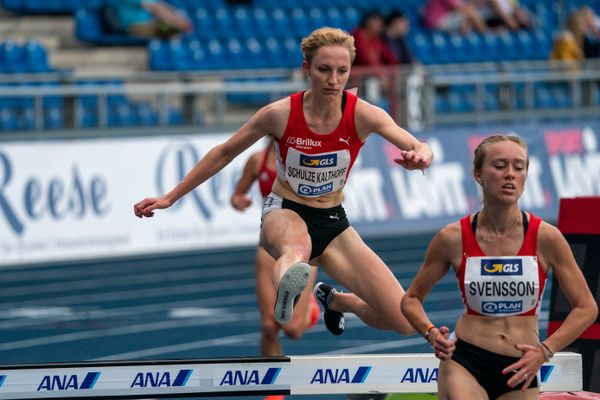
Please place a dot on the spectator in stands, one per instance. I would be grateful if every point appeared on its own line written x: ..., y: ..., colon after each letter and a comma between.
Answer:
x: 147, y: 18
x: 591, y: 32
x: 371, y: 49
x: 504, y: 14
x: 579, y: 39
x: 453, y: 16
x: 396, y: 29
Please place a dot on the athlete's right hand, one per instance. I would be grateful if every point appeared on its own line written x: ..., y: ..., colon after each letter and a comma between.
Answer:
x: 146, y: 207
x: 240, y: 202
x: 442, y: 345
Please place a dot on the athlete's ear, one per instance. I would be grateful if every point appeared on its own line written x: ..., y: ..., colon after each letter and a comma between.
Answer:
x: 306, y: 68
x: 477, y: 176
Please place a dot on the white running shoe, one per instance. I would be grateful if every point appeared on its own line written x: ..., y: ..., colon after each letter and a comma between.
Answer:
x: 291, y: 285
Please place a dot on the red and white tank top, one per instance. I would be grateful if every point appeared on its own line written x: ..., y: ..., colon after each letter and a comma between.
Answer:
x: 266, y: 175
x: 316, y: 164
x: 501, y: 286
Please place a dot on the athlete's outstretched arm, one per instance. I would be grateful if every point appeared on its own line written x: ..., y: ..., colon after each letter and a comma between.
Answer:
x: 215, y: 160
x: 414, y: 154
x: 555, y: 252
x: 436, y: 264
x: 239, y: 200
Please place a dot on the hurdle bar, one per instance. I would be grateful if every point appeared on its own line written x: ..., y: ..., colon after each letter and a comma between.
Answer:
x: 393, y: 373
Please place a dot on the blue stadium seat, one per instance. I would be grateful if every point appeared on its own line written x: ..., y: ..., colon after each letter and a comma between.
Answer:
x: 178, y: 54
x: 53, y: 118
x: 280, y: 22
x: 8, y: 119
x: 507, y: 47
x: 456, y: 46
x: 13, y: 57
x: 261, y: 22
x: 524, y: 45
x: 316, y: 18
x: 273, y: 53
x: 333, y: 17
x: 491, y: 47
x: 234, y: 54
x: 204, y: 24
x: 440, y: 48
x: 242, y: 21
x: 301, y: 24
x: 224, y: 26
x: 542, y: 44
x: 474, y: 51
x: 158, y: 56
x: 146, y: 114
x: 216, y: 54
x: 36, y: 57
x: 420, y: 44
x: 255, y: 54
x: 197, y: 56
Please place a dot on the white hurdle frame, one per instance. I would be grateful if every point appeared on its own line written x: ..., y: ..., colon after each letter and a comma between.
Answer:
x: 344, y: 374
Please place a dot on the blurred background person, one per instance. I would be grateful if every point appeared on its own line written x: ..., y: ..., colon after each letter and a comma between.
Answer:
x: 146, y: 18
x: 371, y: 48
x: 453, y: 16
x: 397, y: 27
x: 501, y: 14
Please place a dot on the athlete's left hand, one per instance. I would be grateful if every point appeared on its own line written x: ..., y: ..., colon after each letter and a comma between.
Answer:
x: 411, y: 160
x: 527, y: 367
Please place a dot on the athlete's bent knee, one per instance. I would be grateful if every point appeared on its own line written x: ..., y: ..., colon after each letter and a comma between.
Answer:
x: 270, y: 328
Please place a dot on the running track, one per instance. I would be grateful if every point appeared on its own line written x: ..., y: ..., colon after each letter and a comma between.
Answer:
x: 191, y: 305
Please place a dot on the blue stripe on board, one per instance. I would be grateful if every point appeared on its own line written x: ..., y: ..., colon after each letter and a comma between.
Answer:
x: 182, y: 377
x: 361, y: 374
x: 270, y: 376
x: 90, y: 380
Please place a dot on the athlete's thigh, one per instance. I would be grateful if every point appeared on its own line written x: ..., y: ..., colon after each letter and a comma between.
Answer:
x: 455, y: 382
x: 529, y: 394
x: 352, y: 263
x: 265, y: 290
x: 282, y: 228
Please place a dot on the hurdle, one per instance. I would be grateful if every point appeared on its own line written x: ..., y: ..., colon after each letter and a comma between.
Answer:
x: 381, y: 373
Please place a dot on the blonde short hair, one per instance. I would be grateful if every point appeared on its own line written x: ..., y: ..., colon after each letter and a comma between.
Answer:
x: 327, y: 37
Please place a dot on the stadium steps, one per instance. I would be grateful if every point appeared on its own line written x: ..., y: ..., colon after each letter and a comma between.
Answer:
x: 90, y: 60
x: 53, y: 31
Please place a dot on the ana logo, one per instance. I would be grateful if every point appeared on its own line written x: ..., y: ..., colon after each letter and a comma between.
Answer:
x: 502, y: 307
x: 2, y: 379
x: 420, y: 375
x: 68, y: 382
x: 318, y: 161
x: 545, y: 372
x: 160, y: 379
x: 512, y: 266
x: 342, y: 375
x: 249, y: 377
x: 307, y: 190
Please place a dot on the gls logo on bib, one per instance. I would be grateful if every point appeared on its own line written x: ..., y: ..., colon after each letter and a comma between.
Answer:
x: 510, y: 266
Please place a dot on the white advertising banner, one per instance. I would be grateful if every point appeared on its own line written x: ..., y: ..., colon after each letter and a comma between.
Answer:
x: 74, y: 199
